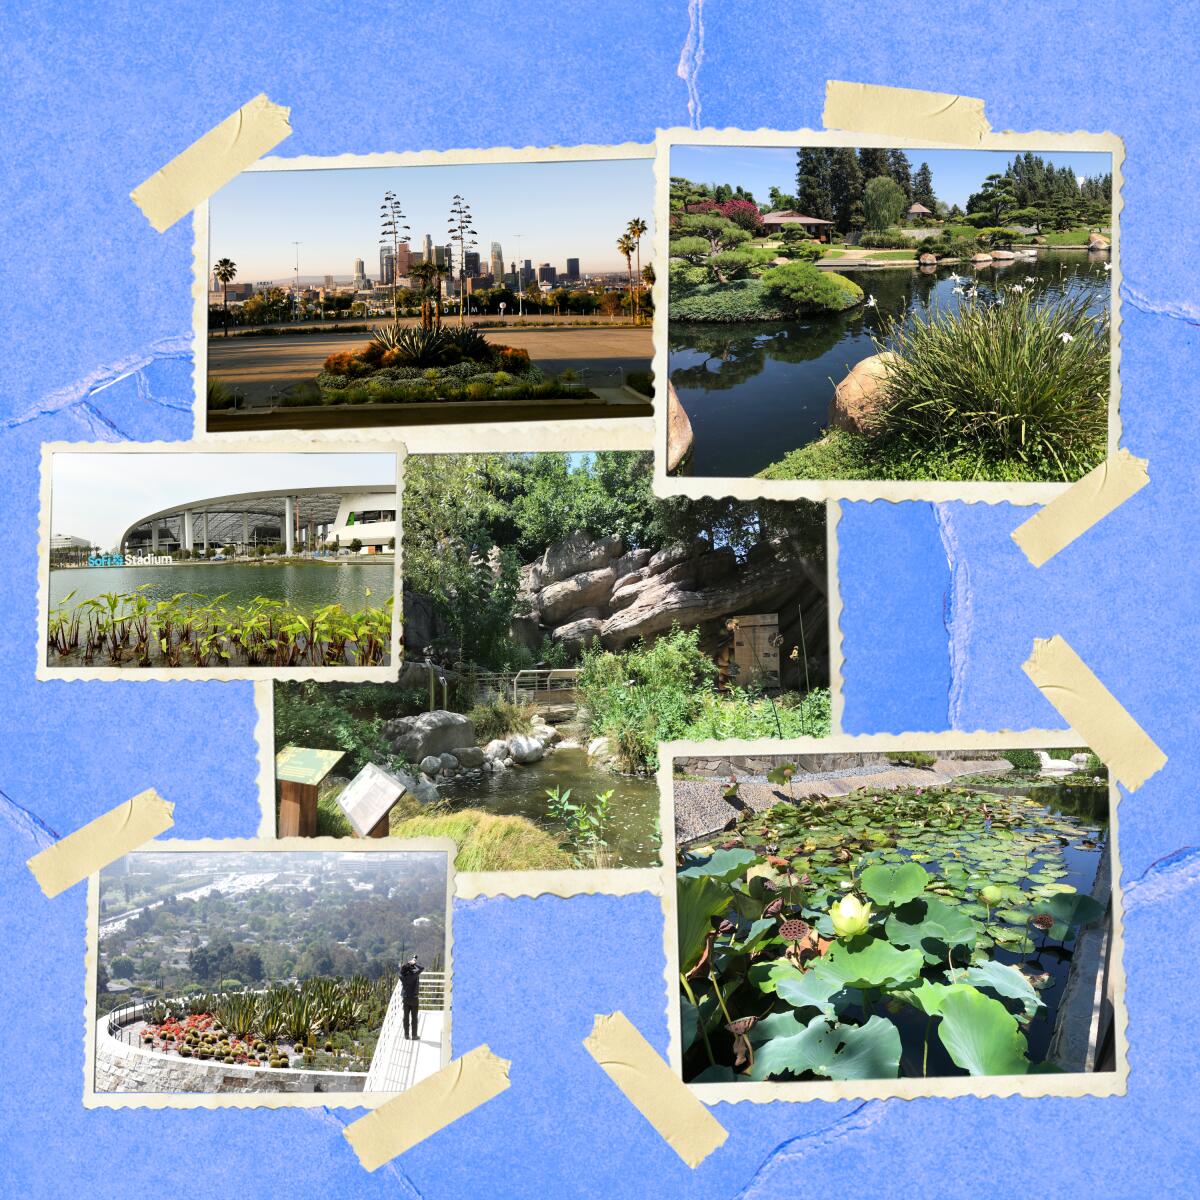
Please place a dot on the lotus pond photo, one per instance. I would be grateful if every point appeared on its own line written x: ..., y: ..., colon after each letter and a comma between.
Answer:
x: 560, y: 621
x: 167, y: 561
x: 887, y: 314
x: 238, y: 971
x: 854, y: 916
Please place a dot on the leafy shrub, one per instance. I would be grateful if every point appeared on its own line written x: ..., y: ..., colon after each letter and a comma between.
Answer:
x: 411, y: 346
x: 1020, y: 381
x: 512, y: 358
x: 803, y: 288
x: 683, y: 276
x: 344, y: 362
x: 889, y: 239
x: 802, y: 251
x: 641, y: 381
x: 691, y: 249
x: 739, y: 300
x: 731, y: 264
x: 911, y: 758
x: 470, y: 343
x: 221, y: 396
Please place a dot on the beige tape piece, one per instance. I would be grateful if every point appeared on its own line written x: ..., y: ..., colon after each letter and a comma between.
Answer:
x: 1060, y: 522
x: 904, y: 112
x: 432, y: 1104
x: 1093, y: 712
x: 101, y: 842
x: 651, y: 1087
x: 211, y: 162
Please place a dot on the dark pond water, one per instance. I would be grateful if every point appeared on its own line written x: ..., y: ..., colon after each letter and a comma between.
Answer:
x: 305, y: 585
x: 632, y: 831
x: 755, y: 391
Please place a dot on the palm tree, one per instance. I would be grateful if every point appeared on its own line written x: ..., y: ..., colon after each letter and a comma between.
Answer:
x: 636, y: 228
x: 225, y: 272
x: 429, y: 275
x: 533, y: 294
x: 626, y: 244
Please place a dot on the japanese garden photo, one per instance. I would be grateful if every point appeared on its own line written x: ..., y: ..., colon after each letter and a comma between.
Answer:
x: 883, y: 314
x: 285, y: 971
x: 560, y: 621
x: 430, y: 293
x: 895, y: 915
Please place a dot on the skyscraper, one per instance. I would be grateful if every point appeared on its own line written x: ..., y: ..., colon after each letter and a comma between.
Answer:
x: 547, y: 274
x: 387, y: 265
x: 497, y: 262
x: 427, y: 248
x: 572, y: 268
x: 472, y: 264
x: 360, y: 279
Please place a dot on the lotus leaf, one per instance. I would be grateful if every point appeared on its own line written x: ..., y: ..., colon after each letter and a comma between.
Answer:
x: 872, y: 963
x: 1008, y: 983
x: 981, y: 1035
x: 894, y: 885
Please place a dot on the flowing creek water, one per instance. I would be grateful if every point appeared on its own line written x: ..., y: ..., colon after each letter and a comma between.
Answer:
x: 755, y: 391
x: 632, y: 830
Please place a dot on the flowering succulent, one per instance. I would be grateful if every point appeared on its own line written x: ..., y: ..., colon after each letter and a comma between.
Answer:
x: 851, y: 916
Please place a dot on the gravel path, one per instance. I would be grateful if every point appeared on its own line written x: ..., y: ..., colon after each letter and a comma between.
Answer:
x: 701, y: 810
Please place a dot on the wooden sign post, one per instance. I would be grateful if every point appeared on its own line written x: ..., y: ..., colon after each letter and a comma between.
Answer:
x: 300, y: 772
x: 368, y: 799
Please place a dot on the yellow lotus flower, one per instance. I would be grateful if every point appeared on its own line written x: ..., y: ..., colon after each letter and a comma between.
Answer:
x: 851, y: 916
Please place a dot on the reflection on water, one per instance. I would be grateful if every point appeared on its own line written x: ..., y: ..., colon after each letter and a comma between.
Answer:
x: 305, y: 585
x: 632, y: 830
x: 755, y: 391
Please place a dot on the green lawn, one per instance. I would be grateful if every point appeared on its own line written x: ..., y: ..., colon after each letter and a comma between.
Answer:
x: 1067, y: 237
x: 889, y: 255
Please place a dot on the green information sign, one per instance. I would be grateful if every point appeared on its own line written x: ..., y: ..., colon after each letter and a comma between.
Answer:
x: 298, y: 764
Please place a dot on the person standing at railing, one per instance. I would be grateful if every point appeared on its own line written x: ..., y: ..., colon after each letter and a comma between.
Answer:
x: 410, y: 995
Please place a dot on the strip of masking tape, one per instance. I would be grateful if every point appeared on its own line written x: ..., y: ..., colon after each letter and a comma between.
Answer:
x: 650, y: 1086
x: 101, y: 842
x: 430, y: 1105
x: 904, y: 112
x: 1093, y: 711
x: 1081, y: 506
x: 211, y: 161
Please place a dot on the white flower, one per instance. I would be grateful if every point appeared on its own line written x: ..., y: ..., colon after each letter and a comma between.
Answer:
x: 1030, y: 279
x: 1016, y: 287
x: 1108, y: 266
x: 957, y: 291
x: 1065, y: 337
x: 869, y: 302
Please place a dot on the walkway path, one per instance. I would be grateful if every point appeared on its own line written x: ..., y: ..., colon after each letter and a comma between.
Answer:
x: 701, y: 810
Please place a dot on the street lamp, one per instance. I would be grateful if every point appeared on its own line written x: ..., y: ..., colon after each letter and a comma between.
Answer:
x: 520, y: 277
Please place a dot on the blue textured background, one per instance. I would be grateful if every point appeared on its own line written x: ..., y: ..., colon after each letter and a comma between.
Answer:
x: 940, y: 607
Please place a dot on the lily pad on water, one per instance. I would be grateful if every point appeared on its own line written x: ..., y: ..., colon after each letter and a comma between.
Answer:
x: 981, y: 1035
x: 1069, y: 913
x: 894, y: 885
x: 874, y: 963
x: 815, y: 988
x: 870, y: 1051
x: 931, y: 925
x: 722, y: 865
x: 792, y: 1047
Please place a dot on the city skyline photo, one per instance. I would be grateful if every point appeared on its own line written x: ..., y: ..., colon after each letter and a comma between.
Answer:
x: 541, y: 211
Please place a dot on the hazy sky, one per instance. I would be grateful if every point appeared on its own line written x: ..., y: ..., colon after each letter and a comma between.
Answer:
x: 562, y: 209
x: 98, y: 496
x: 956, y: 173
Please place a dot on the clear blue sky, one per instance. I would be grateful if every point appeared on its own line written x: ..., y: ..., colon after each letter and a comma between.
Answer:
x: 562, y: 209
x: 956, y: 173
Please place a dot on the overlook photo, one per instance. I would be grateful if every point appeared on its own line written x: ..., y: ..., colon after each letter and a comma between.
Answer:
x: 560, y: 622
x: 286, y: 971
x: 165, y: 562
x: 895, y: 915
x: 842, y: 313
x: 429, y: 294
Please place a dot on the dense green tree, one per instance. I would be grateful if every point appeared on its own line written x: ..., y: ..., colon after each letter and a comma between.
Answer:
x: 872, y: 162
x: 995, y: 200
x: 883, y: 202
x: 922, y: 188
x: 846, y: 190
x: 813, y: 182
x: 900, y: 169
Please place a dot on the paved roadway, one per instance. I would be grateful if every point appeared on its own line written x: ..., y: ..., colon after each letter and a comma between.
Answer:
x: 262, y: 368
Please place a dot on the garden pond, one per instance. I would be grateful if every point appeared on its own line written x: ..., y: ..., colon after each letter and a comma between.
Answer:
x: 907, y: 933
x: 631, y: 830
x: 755, y: 391
x: 304, y: 585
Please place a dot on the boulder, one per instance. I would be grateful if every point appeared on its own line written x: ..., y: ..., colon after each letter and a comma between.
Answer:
x: 635, y: 560
x: 589, y: 589
x: 1003, y: 254
x: 928, y: 260
x: 580, y: 632
x: 525, y: 748
x: 496, y: 748
x: 981, y: 258
x: 526, y: 631
x: 601, y: 749
x: 431, y: 764
x: 670, y: 556
x: 426, y: 792
x: 430, y: 733
x: 1097, y: 241
x: 680, y: 435
x: 547, y: 735
x: 860, y: 397
x: 469, y: 756
x: 449, y: 761
x: 574, y: 556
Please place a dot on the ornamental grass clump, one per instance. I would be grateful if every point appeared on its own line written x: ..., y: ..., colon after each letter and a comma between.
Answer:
x: 1016, y: 380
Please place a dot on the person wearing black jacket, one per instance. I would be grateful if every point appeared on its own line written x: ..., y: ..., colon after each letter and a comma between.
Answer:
x: 410, y: 994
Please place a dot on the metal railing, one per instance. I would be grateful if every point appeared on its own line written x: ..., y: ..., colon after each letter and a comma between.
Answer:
x: 544, y: 679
